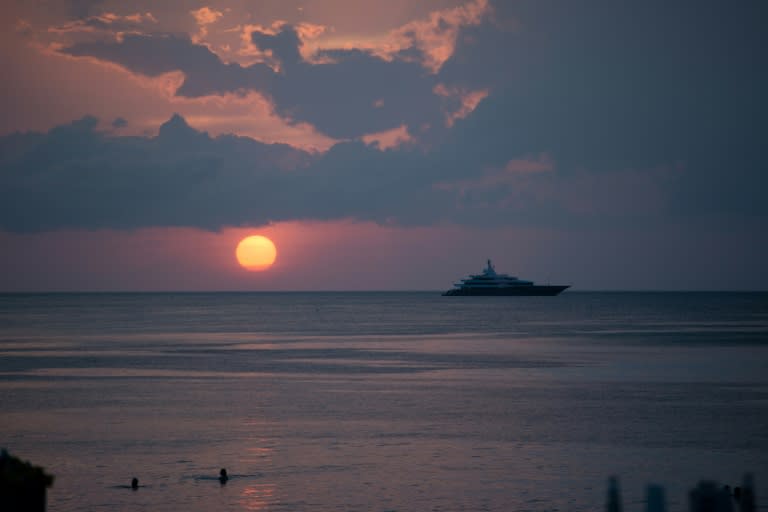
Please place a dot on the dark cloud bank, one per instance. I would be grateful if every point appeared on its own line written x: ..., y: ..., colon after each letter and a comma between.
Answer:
x: 645, y: 112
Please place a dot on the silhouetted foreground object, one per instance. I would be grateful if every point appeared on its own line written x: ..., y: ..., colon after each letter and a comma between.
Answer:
x: 223, y: 476
x: 747, y: 501
x: 613, y: 504
x: 22, y: 485
x: 655, y: 500
x: 710, y: 497
x: 135, y: 483
x: 707, y: 496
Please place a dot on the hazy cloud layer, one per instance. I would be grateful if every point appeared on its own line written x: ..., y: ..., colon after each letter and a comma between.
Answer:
x: 77, y: 177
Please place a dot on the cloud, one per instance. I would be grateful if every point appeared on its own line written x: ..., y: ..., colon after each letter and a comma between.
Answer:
x: 561, y: 118
x: 511, y: 173
x: 533, y: 188
x: 341, y: 97
x: 204, y: 16
x: 461, y: 102
x: 637, y: 129
x: 338, y: 97
x: 390, y: 138
x: 343, y: 92
x: 435, y: 38
x: 204, y: 73
x: 83, y: 8
x: 106, y: 24
x: 429, y: 39
x: 109, y: 91
x: 78, y: 177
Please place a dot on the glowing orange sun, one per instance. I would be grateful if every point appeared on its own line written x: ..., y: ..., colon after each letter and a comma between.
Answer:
x: 256, y: 252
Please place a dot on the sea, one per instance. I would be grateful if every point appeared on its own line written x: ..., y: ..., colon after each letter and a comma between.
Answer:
x: 384, y: 401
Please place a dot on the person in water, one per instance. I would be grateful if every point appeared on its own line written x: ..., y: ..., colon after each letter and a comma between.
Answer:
x: 135, y: 483
x: 223, y: 476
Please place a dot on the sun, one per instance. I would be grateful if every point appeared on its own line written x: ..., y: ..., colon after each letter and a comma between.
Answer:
x: 256, y: 253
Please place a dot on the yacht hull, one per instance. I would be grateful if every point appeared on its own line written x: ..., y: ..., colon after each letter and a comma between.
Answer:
x: 511, y: 291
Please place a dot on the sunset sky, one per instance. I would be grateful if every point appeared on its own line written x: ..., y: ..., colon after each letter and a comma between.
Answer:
x: 383, y: 145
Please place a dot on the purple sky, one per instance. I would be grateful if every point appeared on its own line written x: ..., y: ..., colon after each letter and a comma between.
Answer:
x: 383, y: 145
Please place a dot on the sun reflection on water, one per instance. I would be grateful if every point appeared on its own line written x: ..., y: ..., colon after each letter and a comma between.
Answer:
x: 257, y: 496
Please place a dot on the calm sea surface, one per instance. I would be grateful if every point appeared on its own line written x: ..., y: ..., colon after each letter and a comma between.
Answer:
x: 383, y: 401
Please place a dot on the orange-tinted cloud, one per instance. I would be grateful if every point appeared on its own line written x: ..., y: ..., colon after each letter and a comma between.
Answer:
x: 390, y: 138
x: 110, y: 91
x: 106, y: 24
x: 463, y: 101
x: 204, y: 17
x: 433, y: 36
x: 251, y: 53
x: 436, y: 36
x: 224, y: 77
x: 250, y: 115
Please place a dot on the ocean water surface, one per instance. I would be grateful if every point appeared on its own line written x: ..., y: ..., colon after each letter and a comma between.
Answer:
x: 383, y: 401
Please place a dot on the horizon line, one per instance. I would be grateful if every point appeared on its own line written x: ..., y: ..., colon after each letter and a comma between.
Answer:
x: 604, y: 290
